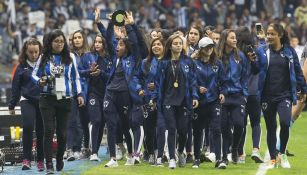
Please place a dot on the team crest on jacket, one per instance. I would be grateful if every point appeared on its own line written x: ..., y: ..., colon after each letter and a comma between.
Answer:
x: 237, y: 61
x: 215, y: 68
x: 92, y: 102
x: 105, y: 104
x: 186, y: 68
x: 128, y: 63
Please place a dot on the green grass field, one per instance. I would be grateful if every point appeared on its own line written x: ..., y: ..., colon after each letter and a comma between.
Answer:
x: 297, y: 145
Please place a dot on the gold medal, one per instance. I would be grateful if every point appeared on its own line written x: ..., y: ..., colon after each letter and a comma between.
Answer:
x: 176, y: 84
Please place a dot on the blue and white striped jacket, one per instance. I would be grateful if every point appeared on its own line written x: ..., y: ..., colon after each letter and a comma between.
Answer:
x: 71, y: 76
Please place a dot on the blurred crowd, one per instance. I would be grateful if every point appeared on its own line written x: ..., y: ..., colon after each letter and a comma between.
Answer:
x: 150, y: 14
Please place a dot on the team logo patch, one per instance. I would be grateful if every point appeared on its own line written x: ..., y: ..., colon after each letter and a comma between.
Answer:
x: 92, y: 102
x: 105, y: 104
x: 186, y: 68
x: 237, y: 61
x: 264, y: 106
x: 125, y: 110
x: 218, y: 111
x: 168, y: 107
x: 128, y: 63
x: 215, y: 68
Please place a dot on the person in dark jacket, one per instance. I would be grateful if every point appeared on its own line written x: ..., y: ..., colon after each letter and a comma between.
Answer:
x: 77, y: 129
x: 275, y: 60
x: 154, y: 120
x: 27, y: 92
x: 123, y: 88
x: 177, y: 95
x: 253, y: 108
x: 234, y: 90
x: 209, y: 79
x: 96, y: 68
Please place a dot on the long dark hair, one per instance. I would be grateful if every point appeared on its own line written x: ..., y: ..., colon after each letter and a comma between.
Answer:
x: 284, y: 40
x: 244, y: 38
x: 84, y: 48
x: 104, y: 43
x: 221, y: 52
x: 23, y: 55
x: 151, y: 54
x: 47, y: 49
x: 168, y: 45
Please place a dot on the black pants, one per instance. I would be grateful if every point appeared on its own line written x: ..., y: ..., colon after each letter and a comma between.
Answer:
x: 253, y: 110
x: 74, y: 128
x: 55, y: 115
x: 150, y: 123
x: 176, y: 119
x: 283, y: 108
x: 160, y: 132
x: 97, y: 121
x: 117, y: 108
x: 31, y: 116
x: 210, y: 113
x: 233, y: 112
x: 84, y: 119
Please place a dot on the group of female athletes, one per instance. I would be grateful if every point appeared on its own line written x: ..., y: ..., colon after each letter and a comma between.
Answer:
x: 189, y: 92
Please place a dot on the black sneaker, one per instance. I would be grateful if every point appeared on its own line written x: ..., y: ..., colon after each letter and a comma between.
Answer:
x: 221, y: 164
x: 189, y: 158
x: 59, y: 165
x: 145, y: 156
x: 234, y: 156
x: 196, y: 163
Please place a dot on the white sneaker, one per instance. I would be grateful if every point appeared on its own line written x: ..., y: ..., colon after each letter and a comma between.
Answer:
x: 119, y: 154
x: 284, y: 163
x: 70, y: 155
x: 94, y: 157
x: 159, y: 162
x: 111, y: 163
x: 211, y: 157
x: 137, y: 160
x: 271, y: 164
x: 77, y: 155
x: 130, y: 161
x: 256, y: 156
x: 172, y: 164
x: 229, y: 157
